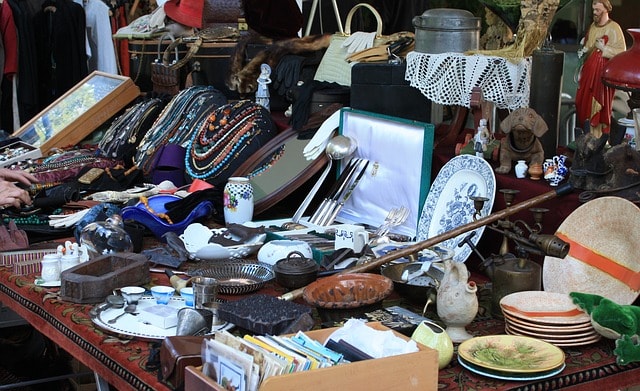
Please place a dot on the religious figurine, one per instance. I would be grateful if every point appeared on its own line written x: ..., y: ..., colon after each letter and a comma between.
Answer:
x: 594, y: 99
x: 262, y: 93
x: 481, y: 139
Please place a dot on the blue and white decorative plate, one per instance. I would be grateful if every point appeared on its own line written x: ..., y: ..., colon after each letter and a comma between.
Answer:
x: 449, y: 205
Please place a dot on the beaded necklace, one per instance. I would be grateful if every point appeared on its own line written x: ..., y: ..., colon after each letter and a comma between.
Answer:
x: 176, y: 122
x: 222, y: 138
x: 164, y: 216
x: 267, y: 163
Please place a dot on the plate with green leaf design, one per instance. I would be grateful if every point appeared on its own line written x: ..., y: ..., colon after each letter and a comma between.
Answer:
x: 511, y: 353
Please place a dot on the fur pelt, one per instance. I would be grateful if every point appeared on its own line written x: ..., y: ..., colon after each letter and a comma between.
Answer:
x: 243, y: 76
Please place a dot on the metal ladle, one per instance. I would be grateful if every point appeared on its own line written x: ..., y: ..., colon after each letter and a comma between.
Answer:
x: 337, y: 148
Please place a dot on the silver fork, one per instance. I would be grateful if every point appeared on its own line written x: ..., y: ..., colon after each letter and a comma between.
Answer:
x: 393, y: 213
x: 399, y: 218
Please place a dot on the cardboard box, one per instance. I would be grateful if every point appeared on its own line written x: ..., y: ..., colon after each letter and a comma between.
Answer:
x: 159, y: 315
x: 412, y: 371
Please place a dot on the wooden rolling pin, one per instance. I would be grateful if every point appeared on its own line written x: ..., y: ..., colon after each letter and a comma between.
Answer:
x: 406, y: 251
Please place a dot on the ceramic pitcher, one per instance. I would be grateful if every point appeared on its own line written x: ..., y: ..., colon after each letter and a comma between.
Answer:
x: 456, y: 300
x: 432, y: 335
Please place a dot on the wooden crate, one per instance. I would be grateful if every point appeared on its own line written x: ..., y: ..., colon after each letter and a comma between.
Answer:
x: 412, y: 371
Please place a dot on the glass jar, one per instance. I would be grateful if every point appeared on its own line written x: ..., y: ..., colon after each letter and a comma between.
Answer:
x: 106, y: 237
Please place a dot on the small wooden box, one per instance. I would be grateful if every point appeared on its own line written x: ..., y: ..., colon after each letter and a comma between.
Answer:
x: 93, y: 281
x: 411, y: 371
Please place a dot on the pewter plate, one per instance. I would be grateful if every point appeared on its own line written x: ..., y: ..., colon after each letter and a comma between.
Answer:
x: 237, y: 278
x: 449, y: 204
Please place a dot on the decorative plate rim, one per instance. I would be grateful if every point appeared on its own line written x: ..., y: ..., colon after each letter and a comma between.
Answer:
x: 573, y: 273
x: 553, y: 356
x: 154, y: 332
x: 455, y: 167
x: 126, y: 326
x: 510, y: 376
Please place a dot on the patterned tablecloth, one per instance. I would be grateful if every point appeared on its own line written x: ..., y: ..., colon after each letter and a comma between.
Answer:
x: 449, y: 78
x: 122, y: 362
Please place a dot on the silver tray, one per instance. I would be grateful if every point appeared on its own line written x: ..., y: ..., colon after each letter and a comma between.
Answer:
x: 237, y: 278
x: 128, y: 326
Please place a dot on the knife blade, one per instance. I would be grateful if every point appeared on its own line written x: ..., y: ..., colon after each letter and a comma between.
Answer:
x: 322, y: 210
x: 346, y: 193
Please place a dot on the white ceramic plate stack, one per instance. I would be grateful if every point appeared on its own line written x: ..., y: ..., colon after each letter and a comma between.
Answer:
x: 548, y: 316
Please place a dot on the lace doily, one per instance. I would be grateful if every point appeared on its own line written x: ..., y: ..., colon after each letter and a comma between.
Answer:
x: 448, y: 78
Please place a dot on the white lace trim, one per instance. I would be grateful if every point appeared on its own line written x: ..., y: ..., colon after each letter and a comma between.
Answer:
x: 449, y: 78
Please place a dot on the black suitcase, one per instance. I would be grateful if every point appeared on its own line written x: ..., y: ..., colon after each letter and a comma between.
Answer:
x: 213, y: 57
x: 380, y: 87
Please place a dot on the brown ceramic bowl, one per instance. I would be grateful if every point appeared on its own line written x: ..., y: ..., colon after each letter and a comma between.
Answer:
x: 350, y: 290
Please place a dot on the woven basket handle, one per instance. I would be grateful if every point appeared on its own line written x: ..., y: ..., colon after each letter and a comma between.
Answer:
x: 353, y: 10
x: 160, y: 58
x: 178, y: 63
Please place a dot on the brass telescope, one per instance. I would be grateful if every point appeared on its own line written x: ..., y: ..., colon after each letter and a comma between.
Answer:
x: 406, y: 251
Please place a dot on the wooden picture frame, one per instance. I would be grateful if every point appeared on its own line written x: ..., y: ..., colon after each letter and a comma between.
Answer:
x: 78, y: 112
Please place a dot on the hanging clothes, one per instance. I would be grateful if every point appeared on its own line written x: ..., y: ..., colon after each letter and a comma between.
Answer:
x: 60, y: 29
x: 27, y: 77
x: 8, y: 36
x: 103, y: 55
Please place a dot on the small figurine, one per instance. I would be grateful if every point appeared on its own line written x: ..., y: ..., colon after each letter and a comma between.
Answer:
x: 262, y: 93
x: 481, y: 139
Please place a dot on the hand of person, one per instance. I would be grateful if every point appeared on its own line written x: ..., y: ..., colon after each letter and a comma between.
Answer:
x: 599, y: 44
x: 17, y: 176
x: 12, y: 195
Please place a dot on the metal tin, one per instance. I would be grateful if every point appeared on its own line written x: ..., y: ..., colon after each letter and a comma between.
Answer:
x: 442, y: 30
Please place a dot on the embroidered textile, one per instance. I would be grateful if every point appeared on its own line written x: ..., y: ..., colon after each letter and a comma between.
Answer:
x: 448, y: 78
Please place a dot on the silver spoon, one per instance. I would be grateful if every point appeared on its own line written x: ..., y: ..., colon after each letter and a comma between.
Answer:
x: 337, y: 148
x: 129, y: 309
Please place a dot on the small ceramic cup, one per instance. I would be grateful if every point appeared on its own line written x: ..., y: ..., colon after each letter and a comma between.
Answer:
x: 187, y: 295
x: 351, y: 236
x: 162, y: 293
x: 68, y: 261
x: 132, y: 294
x: 50, y: 267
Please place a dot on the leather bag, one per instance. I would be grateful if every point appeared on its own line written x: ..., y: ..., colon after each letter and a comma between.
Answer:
x: 176, y: 353
x: 334, y: 66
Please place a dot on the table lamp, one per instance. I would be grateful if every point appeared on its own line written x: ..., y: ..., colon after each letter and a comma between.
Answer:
x: 621, y: 71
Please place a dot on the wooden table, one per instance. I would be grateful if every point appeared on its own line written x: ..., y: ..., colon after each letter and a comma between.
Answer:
x: 119, y: 362
x: 122, y: 362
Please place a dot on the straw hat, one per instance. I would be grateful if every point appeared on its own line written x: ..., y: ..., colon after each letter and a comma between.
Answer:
x: 603, y: 255
x: 186, y: 12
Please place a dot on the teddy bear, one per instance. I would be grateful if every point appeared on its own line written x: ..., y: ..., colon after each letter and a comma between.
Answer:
x: 613, y: 321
